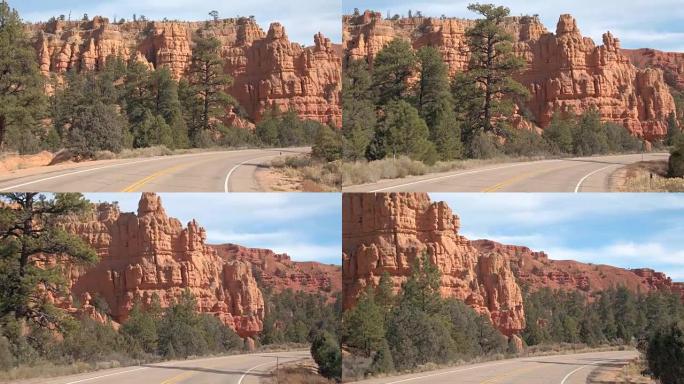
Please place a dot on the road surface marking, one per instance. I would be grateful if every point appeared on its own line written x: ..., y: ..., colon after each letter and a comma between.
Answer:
x: 514, y: 179
x: 106, y: 167
x: 178, y: 378
x: 141, y: 182
x: 99, y: 377
x: 510, y: 373
x: 461, y: 174
x: 230, y: 173
x: 578, y: 369
x: 579, y: 184
x: 250, y: 370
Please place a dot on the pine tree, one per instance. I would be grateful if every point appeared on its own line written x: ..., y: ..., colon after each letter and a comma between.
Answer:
x: 492, y: 64
x: 436, y: 105
x: 392, y: 68
x: 207, y: 85
x: 167, y: 104
x: 29, y: 234
x: 22, y: 92
x: 358, y: 110
x: 403, y: 132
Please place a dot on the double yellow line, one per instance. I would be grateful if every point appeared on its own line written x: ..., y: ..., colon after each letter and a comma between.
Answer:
x: 133, y: 187
x: 179, y: 378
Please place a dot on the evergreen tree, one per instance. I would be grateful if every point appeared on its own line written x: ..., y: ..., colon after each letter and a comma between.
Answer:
x: 665, y: 354
x: 673, y: 130
x: 492, y: 64
x: 392, y: 68
x: 436, y: 106
x: 327, y: 144
x: 358, y: 111
x: 267, y: 128
x: 207, y: 86
x: 22, y: 93
x: 363, y: 327
x: 560, y: 133
x: 403, y: 132
x: 325, y: 350
x: 29, y: 233
x: 97, y: 127
x: 167, y: 104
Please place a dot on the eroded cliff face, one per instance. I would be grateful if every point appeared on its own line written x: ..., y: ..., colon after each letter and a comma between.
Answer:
x: 535, y: 270
x: 268, y: 70
x: 671, y: 63
x: 385, y: 232
x: 279, y: 272
x: 148, y: 254
x: 565, y: 71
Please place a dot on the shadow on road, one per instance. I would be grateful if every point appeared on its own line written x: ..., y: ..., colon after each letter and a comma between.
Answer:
x: 208, y: 370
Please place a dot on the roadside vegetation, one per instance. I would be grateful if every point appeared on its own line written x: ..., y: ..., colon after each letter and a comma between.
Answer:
x: 417, y: 329
x: 40, y: 339
x: 407, y: 105
x: 125, y: 107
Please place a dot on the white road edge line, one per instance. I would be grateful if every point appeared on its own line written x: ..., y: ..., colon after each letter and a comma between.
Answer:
x: 250, y: 370
x: 103, y: 167
x: 445, y: 373
x: 579, y: 184
x: 578, y: 369
x: 230, y: 173
x: 111, y: 374
x: 464, y: 173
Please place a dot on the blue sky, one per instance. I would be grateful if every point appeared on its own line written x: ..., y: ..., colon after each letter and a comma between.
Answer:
x: 308, y: 227
x: 637, y: 23
x: 624, y: 230
x: 301, y: 18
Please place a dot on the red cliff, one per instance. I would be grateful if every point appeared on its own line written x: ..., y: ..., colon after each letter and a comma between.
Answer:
x: 278, y: 271
x: 150, y: 254
x: 386, y: 232
x: 565, y: 71
x: 268, y: 69
x: 671, y: 63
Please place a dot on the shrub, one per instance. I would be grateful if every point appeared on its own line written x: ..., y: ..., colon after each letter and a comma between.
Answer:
x: 676, y: 162
x: 325, y: 350
x: 665, y: 354
x: 100, y: 127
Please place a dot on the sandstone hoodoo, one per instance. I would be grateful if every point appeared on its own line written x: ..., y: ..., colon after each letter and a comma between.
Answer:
x: 671, y: 63
x: 564, y: 70
x: 150, y: 254
x: 268, y: 69
x: 385, y: 232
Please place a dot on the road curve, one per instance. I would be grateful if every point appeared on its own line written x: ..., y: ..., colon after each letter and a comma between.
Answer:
x: 580, y: 174
x: 237, y: 369
x: 224, y: 171
x: 560, y: 369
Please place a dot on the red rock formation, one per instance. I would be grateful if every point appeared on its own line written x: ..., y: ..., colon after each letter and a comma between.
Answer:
x: 279, y: 272
x: 268, y: 70
x: 386, y: 232
x: 565, y: 71
x: 671, y: 63
x: 149, y: 253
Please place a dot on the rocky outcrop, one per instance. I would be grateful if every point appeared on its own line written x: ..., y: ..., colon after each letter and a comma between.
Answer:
x: 386, y: 232
x: 269, y: 70
x: 565, y: 71
x: 671, y: 63
x: 149, y: 254
x: 279, y: 272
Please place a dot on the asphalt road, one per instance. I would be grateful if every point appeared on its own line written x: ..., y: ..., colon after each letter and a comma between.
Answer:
x: 238, y: 369
x: 225, y: 171
x: 581, y: 174
x: 561, y: 369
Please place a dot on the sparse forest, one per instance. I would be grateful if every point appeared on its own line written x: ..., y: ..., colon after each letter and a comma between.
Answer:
x: 126, y: 105
x: 408, y: 106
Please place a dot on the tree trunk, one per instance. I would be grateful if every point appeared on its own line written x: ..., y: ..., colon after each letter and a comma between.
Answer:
x: 2, y: 132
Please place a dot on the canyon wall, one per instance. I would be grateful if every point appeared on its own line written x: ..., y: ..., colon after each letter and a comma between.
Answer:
x: 671, y: 63
x: 150, y: 254
x: 268, y: 69
x: 279, y: 272
x: 565, y: 71
x: 385, y: 232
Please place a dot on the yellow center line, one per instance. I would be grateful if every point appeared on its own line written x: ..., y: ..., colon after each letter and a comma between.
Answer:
x: 514, y: 372
x: 511, y: 180
x: 178, y: 378
x: 141, y: 182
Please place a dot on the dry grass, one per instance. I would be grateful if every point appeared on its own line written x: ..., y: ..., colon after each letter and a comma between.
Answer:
x: 302, y: 173
x: 362, y: 172
x: 47, y: 369
x: 299, y: 373
x: 646, y: 176
x: 631, y: 373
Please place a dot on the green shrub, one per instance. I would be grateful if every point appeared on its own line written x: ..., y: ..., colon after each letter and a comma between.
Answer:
x: 665, y: 354
x: 676, y: 162
x: 325, y: 350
